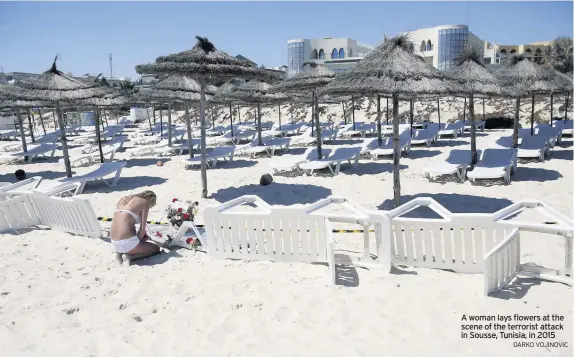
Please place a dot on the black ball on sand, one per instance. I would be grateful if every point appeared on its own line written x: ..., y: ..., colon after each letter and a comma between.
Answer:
x: 20, y: 174
x: 266, y: 179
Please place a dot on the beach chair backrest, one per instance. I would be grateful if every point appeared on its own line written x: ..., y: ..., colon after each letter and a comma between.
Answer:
x: 534, y: 142
x: 345, y: 153
x: 497, y: 157
x: 370, y: 143
x: 461, y: 156
x: 222, y: 151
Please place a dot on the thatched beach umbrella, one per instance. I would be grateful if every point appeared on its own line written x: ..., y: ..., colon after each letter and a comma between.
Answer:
x: 474, y: 78
x: 309, y: 80
x: 177, y: 88
x: 526, y: 78
x: 53, y: 86
x: 256, y: 92
x: 392, y: 69
x: 205, y: 63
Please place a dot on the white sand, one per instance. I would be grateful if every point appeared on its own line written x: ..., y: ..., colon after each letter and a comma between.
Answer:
x: 61, y: 295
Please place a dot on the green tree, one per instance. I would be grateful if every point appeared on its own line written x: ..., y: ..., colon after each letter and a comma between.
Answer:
x: 559, y: 54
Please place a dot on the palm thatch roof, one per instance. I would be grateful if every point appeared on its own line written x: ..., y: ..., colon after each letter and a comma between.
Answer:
x: 528, y: 78
x: 472, y: 76
x: 7, y: 103
x: 256, y: 92
x: 392, y: 68
x: 204, y: 59
x: 173, y: 88
x: 311, y: 77
x: 52, y: 85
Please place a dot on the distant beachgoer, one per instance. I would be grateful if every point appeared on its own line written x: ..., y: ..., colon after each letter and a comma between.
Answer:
x: 20, y: 174
x: 126, y: 242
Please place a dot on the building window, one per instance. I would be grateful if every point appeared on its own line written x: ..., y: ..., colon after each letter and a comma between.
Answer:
x: 513, y: 51
x: 314, y: 54
x: 342, y: 53
x: 321, y: 54
x: 451, y: 43
x: 334, y: 53
x: 503, y: 51
x: 429, y: 45
x: 487, y: 60
x: 295, y: 57
x: 423, y: 46
x: 350, y: 52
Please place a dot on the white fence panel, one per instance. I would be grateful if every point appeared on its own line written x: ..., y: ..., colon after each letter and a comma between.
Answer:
x: 17, y: 213
x: 502, y: 263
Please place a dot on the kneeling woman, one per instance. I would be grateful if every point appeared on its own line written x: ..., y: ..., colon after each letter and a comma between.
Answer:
x: 126, y: 242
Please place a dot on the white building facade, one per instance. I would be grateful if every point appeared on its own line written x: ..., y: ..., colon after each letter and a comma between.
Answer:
x: 441, y: 45
x: 337, y: 54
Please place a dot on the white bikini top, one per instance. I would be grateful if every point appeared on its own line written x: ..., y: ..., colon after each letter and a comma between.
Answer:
x: 136, y: 217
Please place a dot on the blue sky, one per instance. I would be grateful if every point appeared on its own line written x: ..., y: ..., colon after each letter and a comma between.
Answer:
x: 32, y: 33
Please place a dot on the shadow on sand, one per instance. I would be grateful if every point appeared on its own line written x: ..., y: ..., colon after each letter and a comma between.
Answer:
x: 145, y: 162
x: 124, y: 184
x: 47, y: 175
x: 373, y: 167
x: 526, y: 174
x: 456, y: 203
x: 422, y: 152
x: 517, y: 289
x: 561, y: 154
x: 276, y: 193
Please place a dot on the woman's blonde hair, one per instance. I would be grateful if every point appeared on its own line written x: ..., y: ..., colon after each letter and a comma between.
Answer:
x: 147, y: 195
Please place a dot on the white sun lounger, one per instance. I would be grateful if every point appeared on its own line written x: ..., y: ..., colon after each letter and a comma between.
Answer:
x: 479, y: 125
x: 148, y: 149
x: 425, y: 136
x: 338, y: 157
x: 178, y: 148
x: 566, y: 127
x: 288, y: 163
x: 451, y: 129
x: 554, y: 134
x: 212, y: 157
x: 457, y: 163
x: 81, y: 158
x: 104, y: 170
x: 499, y: 163
x: 33, y: 152
x: 534, y: 147
x: 51, y: 137
x: 9, y: 135
x: 387, y: 147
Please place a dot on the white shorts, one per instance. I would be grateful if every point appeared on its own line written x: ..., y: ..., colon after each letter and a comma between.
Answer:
x: 126, y: 245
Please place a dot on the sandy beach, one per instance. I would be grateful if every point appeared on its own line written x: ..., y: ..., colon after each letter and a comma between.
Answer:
x: 61, y: 294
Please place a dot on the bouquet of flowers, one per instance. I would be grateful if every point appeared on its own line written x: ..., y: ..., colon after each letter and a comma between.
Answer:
x: 178, y: 212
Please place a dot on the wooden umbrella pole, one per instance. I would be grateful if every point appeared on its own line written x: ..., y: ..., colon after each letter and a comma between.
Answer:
x: 154, y: 119
x: 353, y: 104
x: 483, y: 111
x: 312, y: 118
x: 212, y: 116
x: 279, y: 116
x: 42, y: 120
x: 474, y: 157
x: 22, y: 135
x: 97, y: 119
x: 387, y: 110
x: 379, y: 132
x: 203, y: 139
x: 318, y: 124
x: 231, y: 118
x: 188, y: 126
x: 169, y: 124
x: 464, y: 110
x: 31, y: 126
x: 396, y: 152
x: 239, y: 114
x: 161, y: 121
x: 551, y: 109
x: 344, y: 117
x: 438, y: 109
x: 532, y: 117
x: 64, y: 141
x: 516, y: 122
x: 259, y: 140
x: 411, y: 115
